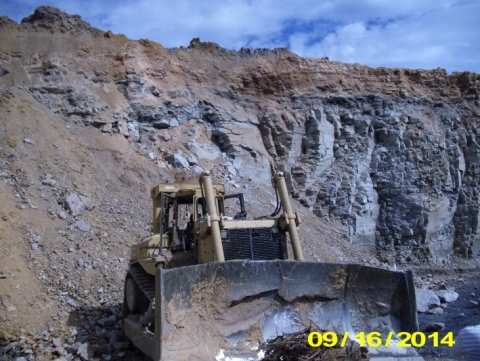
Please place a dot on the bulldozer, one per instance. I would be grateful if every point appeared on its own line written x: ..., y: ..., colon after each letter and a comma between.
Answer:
x: 212, y: 283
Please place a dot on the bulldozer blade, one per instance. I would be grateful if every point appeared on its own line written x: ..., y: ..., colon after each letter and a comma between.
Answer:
x: 224, y: 310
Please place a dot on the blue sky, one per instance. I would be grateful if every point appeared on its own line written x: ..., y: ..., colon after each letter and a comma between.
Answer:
x: 415, y: 34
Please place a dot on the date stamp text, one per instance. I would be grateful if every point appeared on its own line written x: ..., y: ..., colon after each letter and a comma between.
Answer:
x: 375, y: 339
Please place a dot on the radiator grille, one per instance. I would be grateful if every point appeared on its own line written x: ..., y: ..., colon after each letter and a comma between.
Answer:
x: 253, y: 244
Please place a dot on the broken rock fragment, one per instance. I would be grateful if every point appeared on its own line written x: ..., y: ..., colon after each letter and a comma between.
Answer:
x: 78, y: 204
x: 82, y: 225
x: 74, y: 205
x: 49, y: 181
x: 447, y: 296
x: 177, y: 160
x: 426, y: 299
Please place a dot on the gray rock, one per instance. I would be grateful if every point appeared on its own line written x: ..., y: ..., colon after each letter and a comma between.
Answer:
x: 231, y: 169
x: 87, y: 202
x: 107, y: 128
x: 29, y: 141
x: 447, y: 296
x: 62, y: 215
x: 177, y: 160
x: 72, y: 303
x: 434, y: 311
x: 192, y: 160
x: 82, y: 225
x: 34, y: 246
x: 426, y: 299
x: 150, y: 155
x: 73, y: 347
x: 49, y: 181
x: 107, y: 321
x: 80, y: 262
x: 434, y: 327
x: 174, y: 122
x: 85, y: 351
x: 4, y: 72
x: 472, y: 304
x: 56, y: 342
x: 161, y: 123
x: 74, y: 205
x: 196, y: 170
x: 82, y: 336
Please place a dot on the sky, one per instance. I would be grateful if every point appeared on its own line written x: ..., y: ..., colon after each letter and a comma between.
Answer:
x: 414, y: 34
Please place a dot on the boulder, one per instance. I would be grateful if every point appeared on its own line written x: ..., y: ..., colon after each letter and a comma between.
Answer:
x: 447, y: 296
x: 426, y: 299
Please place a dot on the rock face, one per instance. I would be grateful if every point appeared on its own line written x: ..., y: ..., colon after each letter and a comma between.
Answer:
x: 399, y: 172
x: 391, y: 153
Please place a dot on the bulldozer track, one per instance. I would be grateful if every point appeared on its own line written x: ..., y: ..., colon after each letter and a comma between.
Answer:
x: 145, y: 281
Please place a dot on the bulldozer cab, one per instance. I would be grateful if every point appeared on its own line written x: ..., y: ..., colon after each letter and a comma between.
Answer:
x: 234, y: 205
x: 178, y: 209
x: 174, y: 218
x: 230, y: 206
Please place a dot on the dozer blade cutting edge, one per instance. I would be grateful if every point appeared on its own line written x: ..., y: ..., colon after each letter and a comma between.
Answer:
x: 225, y: 309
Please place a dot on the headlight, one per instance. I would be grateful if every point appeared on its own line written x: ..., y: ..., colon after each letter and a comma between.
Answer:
x: 224, y: 234
x: 275, y: 230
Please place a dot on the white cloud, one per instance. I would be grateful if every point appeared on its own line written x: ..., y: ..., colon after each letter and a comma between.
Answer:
x: 444, y: 37
x: 408, y: 33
